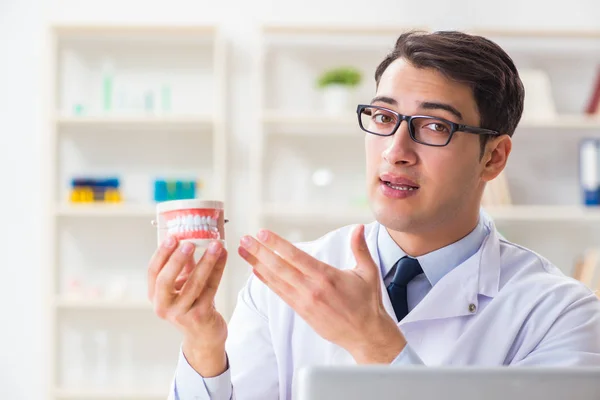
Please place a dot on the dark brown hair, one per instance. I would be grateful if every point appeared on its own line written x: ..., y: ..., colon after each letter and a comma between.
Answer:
x: 473, y: 60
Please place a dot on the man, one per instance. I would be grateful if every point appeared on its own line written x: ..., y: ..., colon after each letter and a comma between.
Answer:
x: 438, y: 129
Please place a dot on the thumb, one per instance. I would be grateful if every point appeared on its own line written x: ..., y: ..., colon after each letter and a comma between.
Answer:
x: 365, y: 266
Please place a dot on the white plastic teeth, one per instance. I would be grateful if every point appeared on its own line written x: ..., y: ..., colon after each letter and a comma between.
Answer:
x: 191, y: 223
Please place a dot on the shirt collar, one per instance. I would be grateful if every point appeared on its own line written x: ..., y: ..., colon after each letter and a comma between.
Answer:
x: 437, y: 263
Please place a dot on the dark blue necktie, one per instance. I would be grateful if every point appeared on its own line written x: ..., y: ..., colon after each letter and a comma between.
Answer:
x: 406, y: 269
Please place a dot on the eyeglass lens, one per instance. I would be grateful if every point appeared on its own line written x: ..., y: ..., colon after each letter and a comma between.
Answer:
x: 426, y: 130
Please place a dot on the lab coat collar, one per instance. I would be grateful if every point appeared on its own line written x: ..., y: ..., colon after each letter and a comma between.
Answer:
x: 456, y: 294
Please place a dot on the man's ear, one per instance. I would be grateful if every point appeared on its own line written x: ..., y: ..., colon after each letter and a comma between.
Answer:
x: 497, y: 150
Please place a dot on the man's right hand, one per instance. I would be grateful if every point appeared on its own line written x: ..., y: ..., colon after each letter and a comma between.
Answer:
x: 183, y: 292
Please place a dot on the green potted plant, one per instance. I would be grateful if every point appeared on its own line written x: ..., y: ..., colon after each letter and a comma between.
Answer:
x: 337, y: 86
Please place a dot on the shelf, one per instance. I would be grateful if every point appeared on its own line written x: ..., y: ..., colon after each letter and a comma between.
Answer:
x: 132, y: 121
x: 135, y: 34
x: 313, y: 29
x: 102, y: 395
x: 106, y: 210
x: 312, y: 215
x: 307, y: 124
x: 540, y: 213
x: 102, y: 304
x: 307, y: 118
x: 538, y: 33
x: 564, y: 122
x: 396, y: 30
x: 141, y: 30
x: 533, y: 213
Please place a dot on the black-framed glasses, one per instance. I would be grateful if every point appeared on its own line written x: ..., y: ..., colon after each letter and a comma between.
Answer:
x: 430, y: 131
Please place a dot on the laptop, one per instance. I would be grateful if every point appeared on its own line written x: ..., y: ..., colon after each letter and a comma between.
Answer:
x: 447, y: 383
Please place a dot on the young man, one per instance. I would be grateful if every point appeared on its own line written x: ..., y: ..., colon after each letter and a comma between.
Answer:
x: 438, y: 129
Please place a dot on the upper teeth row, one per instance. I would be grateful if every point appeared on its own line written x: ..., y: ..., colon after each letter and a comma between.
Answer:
x: 192, y: 221
x: 191, y: 228
x: 401, y: 187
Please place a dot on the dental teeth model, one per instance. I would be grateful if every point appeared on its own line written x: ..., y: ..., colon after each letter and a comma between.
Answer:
x: 197, y: 221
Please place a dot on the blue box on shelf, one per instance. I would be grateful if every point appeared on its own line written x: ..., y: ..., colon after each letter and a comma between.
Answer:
x: 89, y: 189
x: 165, y: 190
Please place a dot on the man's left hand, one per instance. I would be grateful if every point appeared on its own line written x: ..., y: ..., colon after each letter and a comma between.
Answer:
x: 343, y: 306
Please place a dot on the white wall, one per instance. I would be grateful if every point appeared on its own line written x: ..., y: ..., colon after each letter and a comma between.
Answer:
x: 20, y: 284
x: 21, y: 25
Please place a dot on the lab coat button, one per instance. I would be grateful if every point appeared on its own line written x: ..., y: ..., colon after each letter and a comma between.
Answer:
x: 472, y: 307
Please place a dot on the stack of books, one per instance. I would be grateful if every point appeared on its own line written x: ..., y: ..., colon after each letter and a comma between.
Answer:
x: 585, y: 269
x: 593, y: 105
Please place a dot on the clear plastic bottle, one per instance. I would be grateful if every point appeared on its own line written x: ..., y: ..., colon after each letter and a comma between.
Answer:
x: 108, y: 80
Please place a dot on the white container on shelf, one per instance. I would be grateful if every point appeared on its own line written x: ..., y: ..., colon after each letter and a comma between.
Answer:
x: 73, y: 99
x: 539, y: 102
x: 126, y: 369
x: 100, y: 374
x: 74, y: 371
x: 337, y: 99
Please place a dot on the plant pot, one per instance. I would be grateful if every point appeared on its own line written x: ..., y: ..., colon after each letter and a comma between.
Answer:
x: 337, y: 99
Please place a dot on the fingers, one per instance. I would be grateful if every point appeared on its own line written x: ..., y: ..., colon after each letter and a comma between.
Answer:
x: 365, y: 264
x: 275, y: 272
x: 165, y: 281
x: 300, y: 260
x: 214, y: 279
x: 196, y: 285
x: 250, y: 259
x: 185, y: 274
x: 157, y: 262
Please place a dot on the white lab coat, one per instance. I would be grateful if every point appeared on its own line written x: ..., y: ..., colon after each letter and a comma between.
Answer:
x: 505, y: 305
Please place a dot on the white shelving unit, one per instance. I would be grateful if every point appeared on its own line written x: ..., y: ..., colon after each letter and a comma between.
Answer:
x: 166, y: 120
x: 109, y: 395
x: 501, y: 214
x: 301, y: 147
x: 297, y: 139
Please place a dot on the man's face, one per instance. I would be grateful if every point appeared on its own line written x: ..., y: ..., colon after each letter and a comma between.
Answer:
x: 434, y: 186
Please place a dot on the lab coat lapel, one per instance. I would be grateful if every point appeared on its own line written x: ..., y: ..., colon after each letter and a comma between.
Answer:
x: 455, y: 295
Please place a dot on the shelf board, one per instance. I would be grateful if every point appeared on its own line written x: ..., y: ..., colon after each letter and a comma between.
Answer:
x: 129, y: 121
x: 314, y: 29
x: 101, y: 304
x: 180, y: 30
x: 106, y: 210
x: 306, y: 124
x: 563, y: 121
x: 524, y: 213
x: 91, y: 394
x: 541, y: 213
x: 304, y: 29
x: 136, y: 35
x: 538, y: 33
x: 307, y: 118
x: 311, y: 215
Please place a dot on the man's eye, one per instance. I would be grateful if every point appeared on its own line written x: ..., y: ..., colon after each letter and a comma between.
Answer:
x: 438, y: 127
x: 382, y: 118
